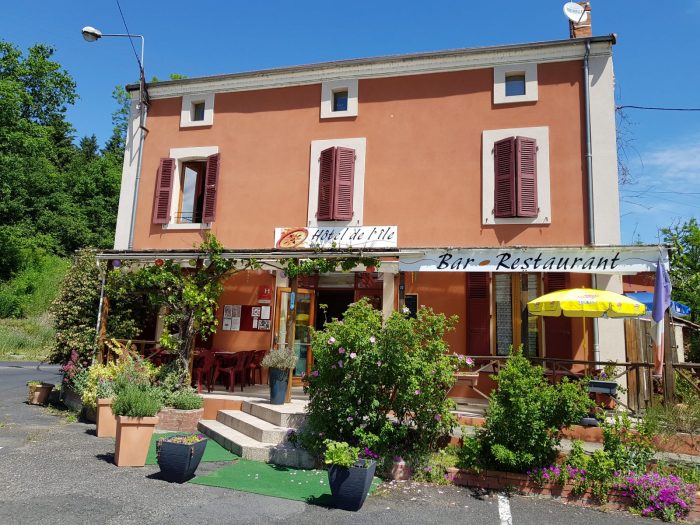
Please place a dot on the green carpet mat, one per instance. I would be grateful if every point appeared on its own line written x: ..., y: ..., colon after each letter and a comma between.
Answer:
x: 213, y: 451
x: 271, y: 480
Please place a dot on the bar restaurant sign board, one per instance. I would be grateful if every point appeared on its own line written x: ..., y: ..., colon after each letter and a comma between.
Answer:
x: 337, y: 237
x: 599, y: 259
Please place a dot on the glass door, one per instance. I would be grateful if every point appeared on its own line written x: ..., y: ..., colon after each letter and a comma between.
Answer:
x: 304, y: 302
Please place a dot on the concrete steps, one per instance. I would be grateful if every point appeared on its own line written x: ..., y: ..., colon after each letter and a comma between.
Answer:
x: 259, y: 432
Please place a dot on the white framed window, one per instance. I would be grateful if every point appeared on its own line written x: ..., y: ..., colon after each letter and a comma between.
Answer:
x: 488, y: 175
x: 359, y: 145
x: 515, y: 83
x: 187, y: 197
x: 339, y: 98
x: 197, y: 110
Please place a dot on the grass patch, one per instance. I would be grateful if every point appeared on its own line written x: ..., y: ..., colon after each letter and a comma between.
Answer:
x: 310, y: 486
x: 26, y: 339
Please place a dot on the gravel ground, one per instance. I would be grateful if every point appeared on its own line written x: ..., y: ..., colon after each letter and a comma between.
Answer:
x: 58, y: 473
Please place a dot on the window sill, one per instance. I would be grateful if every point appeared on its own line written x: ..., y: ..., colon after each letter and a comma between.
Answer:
x: 194, y: 226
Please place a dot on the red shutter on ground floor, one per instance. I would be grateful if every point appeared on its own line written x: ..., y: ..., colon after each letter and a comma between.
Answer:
x: 557, y: 330
x: 326, y: 180
x: 211, y: 183
x: 504, y: 181
x: 479, y: 314
x: 164, y: 188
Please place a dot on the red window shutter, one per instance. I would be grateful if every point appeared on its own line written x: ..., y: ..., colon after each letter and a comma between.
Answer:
x: 526, y: 176
x: 211, y: 183
x: 164, y: 189
x: 504, y: 167
x: 478, y: 314
x: 326, y: 180
x: 557, y: 330
x: 344, y: 184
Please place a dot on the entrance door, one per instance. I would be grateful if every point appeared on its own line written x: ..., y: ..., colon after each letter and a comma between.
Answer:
x: 305, y: 306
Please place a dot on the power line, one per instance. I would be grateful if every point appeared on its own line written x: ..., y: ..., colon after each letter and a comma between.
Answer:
x: 652, y: 108
x: 131, y: 41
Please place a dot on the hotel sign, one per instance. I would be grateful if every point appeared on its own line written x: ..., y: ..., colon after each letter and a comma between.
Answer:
x: 600, y: 260
x: 337, y: 237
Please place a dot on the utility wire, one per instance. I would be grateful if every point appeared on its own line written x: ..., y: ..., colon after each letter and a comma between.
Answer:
x: 657, y: 108
x: 131, y: 41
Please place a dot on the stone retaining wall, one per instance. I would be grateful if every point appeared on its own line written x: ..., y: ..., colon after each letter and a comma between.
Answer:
x: 522, y: 484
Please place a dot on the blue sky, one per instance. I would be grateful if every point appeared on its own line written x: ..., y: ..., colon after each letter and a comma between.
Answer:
x: 656, y: 61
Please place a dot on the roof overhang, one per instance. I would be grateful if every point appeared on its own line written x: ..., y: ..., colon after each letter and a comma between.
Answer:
x: 386, y: 66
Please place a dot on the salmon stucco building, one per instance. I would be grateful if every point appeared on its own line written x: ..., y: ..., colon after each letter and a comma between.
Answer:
x: 482, y: 178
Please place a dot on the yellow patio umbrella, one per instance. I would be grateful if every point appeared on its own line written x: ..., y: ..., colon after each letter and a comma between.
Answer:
x: 585, y: 302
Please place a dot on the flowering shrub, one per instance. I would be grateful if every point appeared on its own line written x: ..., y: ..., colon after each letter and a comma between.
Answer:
x: 363, y: 372
x: 665, y: 497
x: 523, y: 419
x: 561, y: 476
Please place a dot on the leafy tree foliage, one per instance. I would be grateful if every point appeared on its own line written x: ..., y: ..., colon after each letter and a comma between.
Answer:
x: 55, y: 196
x: 684, y: 240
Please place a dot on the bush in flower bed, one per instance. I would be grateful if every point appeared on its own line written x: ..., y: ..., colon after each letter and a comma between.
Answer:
x: 365, y: 372
x: 668, y: 498
x: 523, y: 420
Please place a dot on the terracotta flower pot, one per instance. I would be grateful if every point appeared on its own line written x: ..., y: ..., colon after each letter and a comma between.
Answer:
x: 106, y: 421
x: 133, y: 440
x: 39, y: 394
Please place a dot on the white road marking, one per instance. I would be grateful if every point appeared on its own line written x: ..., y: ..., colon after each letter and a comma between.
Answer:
x: 504, y: 510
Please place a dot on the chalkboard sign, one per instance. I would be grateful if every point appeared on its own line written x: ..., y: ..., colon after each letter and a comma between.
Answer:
x: 411, y: 302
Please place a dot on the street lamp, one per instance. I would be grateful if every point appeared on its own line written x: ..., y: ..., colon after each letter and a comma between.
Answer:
x: 90, y: 34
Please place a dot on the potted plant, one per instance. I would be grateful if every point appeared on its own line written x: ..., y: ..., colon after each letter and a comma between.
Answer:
x: 38, y: 392
x: 604, y: 386
x: 135, y: 407
x: 463, y: 375
x: 349, y: 476
x: 179, y: 456
x: 280, y: 362
x: 106, y: 423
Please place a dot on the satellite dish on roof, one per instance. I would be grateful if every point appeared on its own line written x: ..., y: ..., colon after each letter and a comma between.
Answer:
x: 575, y: 12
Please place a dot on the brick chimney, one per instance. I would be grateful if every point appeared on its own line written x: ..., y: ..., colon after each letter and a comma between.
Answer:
x: 583, y: 29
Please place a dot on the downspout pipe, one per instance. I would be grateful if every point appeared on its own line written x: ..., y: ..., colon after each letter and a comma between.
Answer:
x: 589, y: 178
x: 143, y: 112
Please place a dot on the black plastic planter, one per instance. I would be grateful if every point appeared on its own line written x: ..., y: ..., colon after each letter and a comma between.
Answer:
x: 278, y: 385
x: 597, y: 386
x: 349, y: 486
x: 178, y: 461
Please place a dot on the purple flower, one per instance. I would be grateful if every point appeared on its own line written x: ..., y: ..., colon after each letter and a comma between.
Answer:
x: 349, y: 418
x: 340, y: 363
x: 470, y: 361
x: 341, y: 350
x: 331, y: 340
x: 314, y: 373
x: 417, y: 391
x: 332, y: 366
x: 438, y: 417
x: 353, y: 355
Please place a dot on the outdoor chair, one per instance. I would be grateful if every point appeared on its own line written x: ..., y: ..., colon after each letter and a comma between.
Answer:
x: 233, y: 364
x: 203, y: 369
x: 256, y: 366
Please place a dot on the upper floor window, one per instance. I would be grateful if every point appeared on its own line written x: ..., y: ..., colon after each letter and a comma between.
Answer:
x: 515, y: 83
x: 515, y: 174
x: 186, y: 188
x: 339, y: 98
x: 336, y: 182
x: 197, y: 110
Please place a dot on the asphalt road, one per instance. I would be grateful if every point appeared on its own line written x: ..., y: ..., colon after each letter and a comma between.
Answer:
x: 56, y: 473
